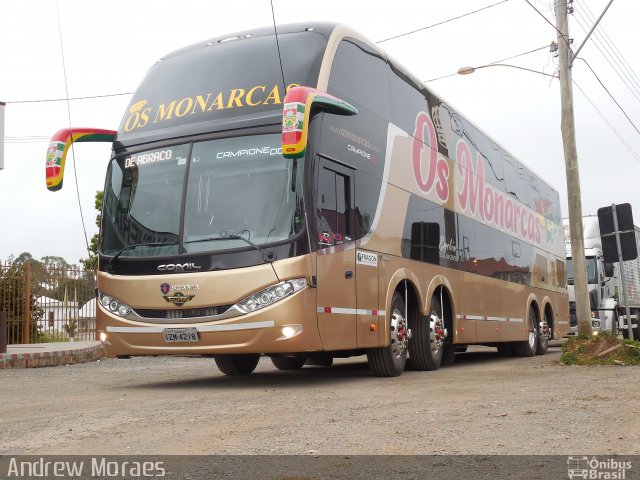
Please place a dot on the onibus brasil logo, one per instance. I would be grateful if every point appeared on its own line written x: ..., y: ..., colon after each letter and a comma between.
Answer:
x: 595, y: 468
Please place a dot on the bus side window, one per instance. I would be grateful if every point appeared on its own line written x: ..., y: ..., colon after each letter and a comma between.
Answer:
x: 360, y: 75
x: 335, y: 206
x: 425, y: 242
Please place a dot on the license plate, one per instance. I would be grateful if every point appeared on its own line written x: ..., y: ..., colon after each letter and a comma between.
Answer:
x: 180, y: 334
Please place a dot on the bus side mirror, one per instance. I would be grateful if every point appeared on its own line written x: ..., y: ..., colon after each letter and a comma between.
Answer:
x: 59, y: 146
x: 608, y: 269
x: 298, y: 103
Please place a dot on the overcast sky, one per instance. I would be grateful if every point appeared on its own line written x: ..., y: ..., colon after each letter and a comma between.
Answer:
x: 109, y: 46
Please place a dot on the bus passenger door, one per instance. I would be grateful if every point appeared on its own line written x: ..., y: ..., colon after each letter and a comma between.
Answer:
x: 336, y: 290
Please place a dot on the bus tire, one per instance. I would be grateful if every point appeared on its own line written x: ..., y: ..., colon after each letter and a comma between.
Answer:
x: 237, y: 364
x: 288, y: 363
x: 528, y: 347
x: 389, y: 361
x: 426, y: 344
x: 543, y: 339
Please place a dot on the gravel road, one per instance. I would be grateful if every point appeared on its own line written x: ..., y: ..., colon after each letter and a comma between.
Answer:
x: 483, y: 404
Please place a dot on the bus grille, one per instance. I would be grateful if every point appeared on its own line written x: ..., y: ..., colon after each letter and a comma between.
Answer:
x: 182, y: 313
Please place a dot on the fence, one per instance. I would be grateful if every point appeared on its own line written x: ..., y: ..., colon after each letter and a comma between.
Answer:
x: 47, y: 302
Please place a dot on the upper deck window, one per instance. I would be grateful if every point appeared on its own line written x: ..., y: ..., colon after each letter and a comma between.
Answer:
x: 360, y: 76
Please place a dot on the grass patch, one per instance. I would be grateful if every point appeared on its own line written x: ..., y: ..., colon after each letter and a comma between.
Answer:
x: 587, y: 350
x: 50, y: 337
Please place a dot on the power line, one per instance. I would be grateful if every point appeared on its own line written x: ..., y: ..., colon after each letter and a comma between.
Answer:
x: 615, y: 132
x: 70, y: 99
x: 73, y: 155
x: 89, y: 97
x: 442, y: 23
x: 613, y: 47
x: 549, y: 22
x: 612, y: 98
x: 609, y: 57
x: 26, y: 139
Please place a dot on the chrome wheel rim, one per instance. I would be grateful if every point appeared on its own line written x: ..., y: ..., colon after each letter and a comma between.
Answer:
x: 532, y: 331
x: 437, y: 333
x: 545, y: 333
x: 399, y: 336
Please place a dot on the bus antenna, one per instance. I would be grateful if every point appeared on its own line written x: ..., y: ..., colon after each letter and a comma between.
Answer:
x: 275, y: 30
x: 73, y: 152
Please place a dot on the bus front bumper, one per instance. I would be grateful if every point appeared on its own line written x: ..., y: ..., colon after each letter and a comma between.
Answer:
x: 289, y: 326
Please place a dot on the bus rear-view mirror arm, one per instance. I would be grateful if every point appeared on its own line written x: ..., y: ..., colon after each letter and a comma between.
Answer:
x: 61, y: 143
x: 298, y: 103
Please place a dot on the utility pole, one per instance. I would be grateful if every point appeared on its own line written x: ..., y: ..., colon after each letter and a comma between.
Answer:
x: 583, y: 308
x: 2, y: 105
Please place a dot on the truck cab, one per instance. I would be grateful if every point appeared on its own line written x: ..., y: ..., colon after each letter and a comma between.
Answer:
x: 604, y: 283
x: 601, y: 287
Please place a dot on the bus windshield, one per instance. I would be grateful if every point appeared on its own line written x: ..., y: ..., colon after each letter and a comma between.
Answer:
x: 235, y: 187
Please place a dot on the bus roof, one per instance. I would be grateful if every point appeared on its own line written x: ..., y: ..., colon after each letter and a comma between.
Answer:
x: 226, y: 82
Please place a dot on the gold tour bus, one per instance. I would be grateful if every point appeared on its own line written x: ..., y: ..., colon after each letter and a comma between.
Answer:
x: 315, y: 201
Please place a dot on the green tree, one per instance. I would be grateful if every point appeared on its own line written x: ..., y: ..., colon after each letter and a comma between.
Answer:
x: 13, y: 297
x: 91, y: 263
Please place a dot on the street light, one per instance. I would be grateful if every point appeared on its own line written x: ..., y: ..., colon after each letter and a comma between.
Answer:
x: 470, y: 70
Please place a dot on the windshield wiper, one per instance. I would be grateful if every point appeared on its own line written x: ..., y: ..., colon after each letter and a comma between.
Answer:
x: 133, y: 247
x: 266, y: 255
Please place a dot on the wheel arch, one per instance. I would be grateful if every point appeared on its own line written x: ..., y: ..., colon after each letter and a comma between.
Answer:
x: 548, y: 312
x: 397, y: 284
x: 441, y: 286
x: 532, y: 301
x: 417, y: 298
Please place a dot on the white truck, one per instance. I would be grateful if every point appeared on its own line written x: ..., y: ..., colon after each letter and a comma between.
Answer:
x: 604, y: 283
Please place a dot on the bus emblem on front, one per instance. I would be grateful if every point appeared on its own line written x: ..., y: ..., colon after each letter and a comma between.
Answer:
x: 178, y: 298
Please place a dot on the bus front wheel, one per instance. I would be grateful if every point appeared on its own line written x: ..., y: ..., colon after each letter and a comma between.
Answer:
x: 288, y: 363
x: 389, y: 361
x: 237, y: 364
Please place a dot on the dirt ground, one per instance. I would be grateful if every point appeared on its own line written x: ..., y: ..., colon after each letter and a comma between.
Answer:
x: 483, y: 404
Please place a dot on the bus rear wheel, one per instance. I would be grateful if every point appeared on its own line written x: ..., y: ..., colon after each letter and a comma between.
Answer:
x: 237, y: 364
x: 288, y: 363
x: 389, y: 361
x: 543, y: 336
x: 426, y: 345
x: 529, y: 347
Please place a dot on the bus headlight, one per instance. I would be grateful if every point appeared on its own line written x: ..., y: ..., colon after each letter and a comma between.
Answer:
x: 595, y: 324
x: 271, y: 295
x: 114, y: 305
